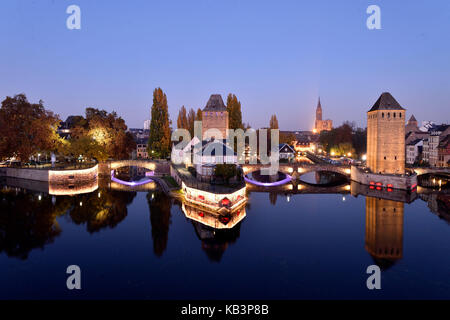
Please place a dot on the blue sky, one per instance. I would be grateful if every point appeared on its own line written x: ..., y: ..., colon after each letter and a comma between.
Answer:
x: 276, y: 56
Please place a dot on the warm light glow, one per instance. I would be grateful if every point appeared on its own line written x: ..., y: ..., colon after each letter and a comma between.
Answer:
x: 290, y: 170
x: 349, y: 154
x: 347, y: 171
x: 364, y: 157
x: 81, y: 204
x: 347, y: 187
x: 332, y: 153
x: 314, y: 130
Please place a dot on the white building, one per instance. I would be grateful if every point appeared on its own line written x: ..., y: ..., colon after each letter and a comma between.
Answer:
x: 413, y: 150
x: 147, y: 125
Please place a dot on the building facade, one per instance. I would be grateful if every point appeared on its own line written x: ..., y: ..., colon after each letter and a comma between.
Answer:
x: 437, y: 134
x: 414, y: 151
x: 386, y: 136
x: 321, y: 125
x: 444, y: 152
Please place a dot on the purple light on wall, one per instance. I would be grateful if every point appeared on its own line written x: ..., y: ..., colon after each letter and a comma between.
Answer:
x: 129, y: 183
x: 269, y: 184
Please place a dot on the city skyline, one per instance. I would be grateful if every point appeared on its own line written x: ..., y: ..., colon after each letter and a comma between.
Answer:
x: 254, y: 56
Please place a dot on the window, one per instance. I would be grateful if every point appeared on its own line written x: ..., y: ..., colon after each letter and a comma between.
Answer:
x: 400, y: 114
x: 382, y: 115
x: 389, y: 114
x: 395, y: 157
x: 394, y: 114
x: 385, y: 158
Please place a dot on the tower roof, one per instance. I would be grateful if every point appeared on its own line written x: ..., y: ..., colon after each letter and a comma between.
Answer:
x: 215, y: 103
x: 386, y: 102
x: 412, y: 119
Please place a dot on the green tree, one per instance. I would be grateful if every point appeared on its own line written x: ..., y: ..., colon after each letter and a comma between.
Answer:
x: 234, y: 112
x: 159, y: 140
x: 226, y: 171
x: 27, y: 128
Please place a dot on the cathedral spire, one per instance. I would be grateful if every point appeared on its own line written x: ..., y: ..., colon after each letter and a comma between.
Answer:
x: 319, y: 110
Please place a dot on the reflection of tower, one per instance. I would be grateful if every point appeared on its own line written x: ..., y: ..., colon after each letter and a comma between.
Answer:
x: 386, y: 136
x: 216, y: 241
x: 384, y: 230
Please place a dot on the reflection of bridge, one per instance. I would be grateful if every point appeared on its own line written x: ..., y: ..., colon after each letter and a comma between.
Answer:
x: 301, y: 188
x: 298, y: 169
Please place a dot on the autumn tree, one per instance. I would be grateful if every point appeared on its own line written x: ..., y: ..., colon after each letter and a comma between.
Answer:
x: 199, y: 115
x: 273, y: 122
x: 27, y: 128
x: 159, y: 140
x: 190, y: 121
x: 101, y: 135
x: 287, y: 137
x: 234, y: 112
x: 182, y: 121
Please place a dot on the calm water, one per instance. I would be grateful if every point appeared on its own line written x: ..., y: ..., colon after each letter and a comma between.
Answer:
x: 141, y: 245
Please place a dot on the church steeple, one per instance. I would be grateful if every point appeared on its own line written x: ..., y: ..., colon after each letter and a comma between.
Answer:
x: 319, y: 111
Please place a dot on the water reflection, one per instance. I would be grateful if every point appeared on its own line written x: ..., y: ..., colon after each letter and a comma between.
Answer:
x: 99, y: 210
x: 160, y: 206
x: 28, y: 221
x: 384, y: 230
x: 323, y: 178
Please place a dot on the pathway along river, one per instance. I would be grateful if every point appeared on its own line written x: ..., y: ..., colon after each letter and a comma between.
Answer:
x: 142, y: 245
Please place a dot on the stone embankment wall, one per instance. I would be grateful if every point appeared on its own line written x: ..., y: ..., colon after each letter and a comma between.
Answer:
x: 52, y: 176
x: 396, y: 182
x: 29, y: 174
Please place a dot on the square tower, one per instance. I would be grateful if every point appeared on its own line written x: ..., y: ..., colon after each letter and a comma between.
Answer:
x: 386, y: 136
x: 215, y: 116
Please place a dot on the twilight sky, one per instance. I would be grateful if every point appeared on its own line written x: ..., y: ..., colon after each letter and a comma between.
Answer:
x: 276, y: 56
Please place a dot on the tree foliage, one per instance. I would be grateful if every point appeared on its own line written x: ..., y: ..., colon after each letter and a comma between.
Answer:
x: 101, y: 135
x: 273, y: 122
x: 343, y: 139
x: 159, y: 140
x: 190, y: 121
x: 199, y: 115
x: 182, y: 121
x: 27, y: 128
x: 234, y: 112
x: 225, y: 171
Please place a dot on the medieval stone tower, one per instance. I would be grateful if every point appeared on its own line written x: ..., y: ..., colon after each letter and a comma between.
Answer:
x: 386, y: 136
x: 384, y: 230
x: 215, y: 116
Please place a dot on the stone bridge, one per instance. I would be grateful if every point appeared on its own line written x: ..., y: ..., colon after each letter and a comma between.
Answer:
x: 158, y: 166
x: 440, y: 170
x: 297, y: 169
